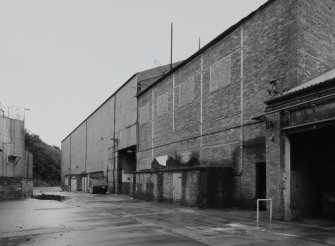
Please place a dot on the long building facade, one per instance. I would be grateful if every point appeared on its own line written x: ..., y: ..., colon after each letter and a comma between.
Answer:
x: 229, y: 125
x: 103, y: 146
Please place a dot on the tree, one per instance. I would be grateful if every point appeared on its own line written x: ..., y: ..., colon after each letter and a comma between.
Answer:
x: 47, y: 159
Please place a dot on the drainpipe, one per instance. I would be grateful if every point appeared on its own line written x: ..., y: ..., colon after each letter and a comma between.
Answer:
x: 137, y: 147
x: 85, y: 177
x: 114, y: 145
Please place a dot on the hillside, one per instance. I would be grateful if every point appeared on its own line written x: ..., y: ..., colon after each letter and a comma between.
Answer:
x: 47, y: 161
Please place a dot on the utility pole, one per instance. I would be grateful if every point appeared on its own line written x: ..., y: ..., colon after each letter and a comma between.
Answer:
x: 171, y: 54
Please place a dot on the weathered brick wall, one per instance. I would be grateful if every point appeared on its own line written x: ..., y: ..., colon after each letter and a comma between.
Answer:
x: 309, y: 53
x: 206, y: 108
x: 184, y: 107
x: 146, y: 186
x: 269, y: 54
x: 208, y: 99
x: 200, y: 187
x: 315, y: 41
x: 15, y: 187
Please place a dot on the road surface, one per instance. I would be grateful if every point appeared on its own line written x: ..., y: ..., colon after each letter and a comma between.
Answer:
x: 86, y: 219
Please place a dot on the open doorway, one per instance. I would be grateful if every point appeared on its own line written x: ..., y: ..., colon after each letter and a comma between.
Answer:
x: 127, y: 166
x: 261, y: 183
x: 312, y: 173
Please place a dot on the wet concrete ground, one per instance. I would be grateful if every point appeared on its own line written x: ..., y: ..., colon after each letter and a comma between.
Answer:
x: 86, y: 219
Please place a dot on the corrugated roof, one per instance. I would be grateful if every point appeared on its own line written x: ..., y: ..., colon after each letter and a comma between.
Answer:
x: 316, y: 81
x: 325, y: 79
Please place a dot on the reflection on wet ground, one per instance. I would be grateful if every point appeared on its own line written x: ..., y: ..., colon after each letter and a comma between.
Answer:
x: 68, y: 218
x: 51, y: 197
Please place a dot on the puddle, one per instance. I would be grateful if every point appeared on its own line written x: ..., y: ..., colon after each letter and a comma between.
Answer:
x: 51, y: 197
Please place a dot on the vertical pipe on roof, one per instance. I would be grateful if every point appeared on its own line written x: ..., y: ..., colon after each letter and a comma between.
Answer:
x: 115, y: 152
x: 70, y: 155
x: 199, y: 42
x: 86, y: 149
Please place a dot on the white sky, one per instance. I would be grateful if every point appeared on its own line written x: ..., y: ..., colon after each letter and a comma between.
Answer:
x: 63, y: 58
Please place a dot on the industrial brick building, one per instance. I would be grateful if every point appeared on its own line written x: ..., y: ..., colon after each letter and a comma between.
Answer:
x: 16, y: 164
x: 230, y: 124
x: 205, y: 138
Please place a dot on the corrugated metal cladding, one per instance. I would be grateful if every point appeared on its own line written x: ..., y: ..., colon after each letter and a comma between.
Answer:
x: 92, y: 147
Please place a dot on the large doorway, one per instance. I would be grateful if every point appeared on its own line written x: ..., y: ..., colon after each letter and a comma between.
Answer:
x: 313, y: 173
x: 261, y: 183
x: 127, y: 166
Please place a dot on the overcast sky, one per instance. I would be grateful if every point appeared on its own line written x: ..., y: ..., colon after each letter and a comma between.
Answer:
x: 63, y: 58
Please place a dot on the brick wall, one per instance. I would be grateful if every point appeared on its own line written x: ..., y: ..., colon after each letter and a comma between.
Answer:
x: 209, y: 99
x: 315, y: 42
x: 210, y: 102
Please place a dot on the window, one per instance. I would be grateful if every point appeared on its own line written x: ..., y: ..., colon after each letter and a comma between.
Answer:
x: 162, y: 104
x: 144, y: 114
x: 186, y: 94
x: 220, y: 74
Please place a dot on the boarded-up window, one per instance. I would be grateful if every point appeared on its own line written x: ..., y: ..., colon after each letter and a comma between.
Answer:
x: 144, y: 114
x: 220, y: 74
x: 162, y: 104
x: 186, y: 94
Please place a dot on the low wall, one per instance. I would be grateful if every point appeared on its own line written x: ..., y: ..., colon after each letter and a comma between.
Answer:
x: 15, y: 187
x: 202, y: 187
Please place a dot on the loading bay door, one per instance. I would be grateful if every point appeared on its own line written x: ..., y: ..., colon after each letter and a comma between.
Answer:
x: 177, y: 178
